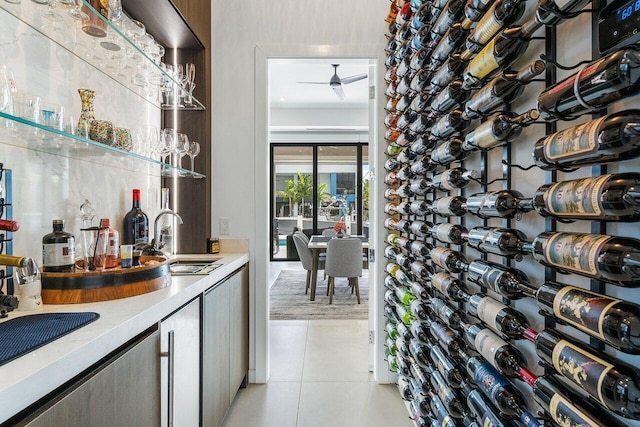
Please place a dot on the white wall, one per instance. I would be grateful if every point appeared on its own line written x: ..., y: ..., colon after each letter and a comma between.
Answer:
x: 239, y: 31
x: 305, y: 116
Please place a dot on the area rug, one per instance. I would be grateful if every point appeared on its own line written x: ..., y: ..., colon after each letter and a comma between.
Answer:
x: 289, y: 302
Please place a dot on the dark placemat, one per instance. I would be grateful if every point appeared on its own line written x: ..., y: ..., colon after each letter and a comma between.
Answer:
x: 21, y: 335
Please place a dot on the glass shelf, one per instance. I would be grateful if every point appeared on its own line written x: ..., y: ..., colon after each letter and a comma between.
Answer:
x: 127, y: 64
x: 23, y: 133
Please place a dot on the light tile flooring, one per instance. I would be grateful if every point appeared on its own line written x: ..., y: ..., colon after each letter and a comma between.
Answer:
x: 319, y: 378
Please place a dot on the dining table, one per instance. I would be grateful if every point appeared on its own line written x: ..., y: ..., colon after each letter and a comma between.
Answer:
x: 318, y: 244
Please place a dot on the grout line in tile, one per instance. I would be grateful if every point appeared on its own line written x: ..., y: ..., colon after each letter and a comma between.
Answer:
x: 304, y: 356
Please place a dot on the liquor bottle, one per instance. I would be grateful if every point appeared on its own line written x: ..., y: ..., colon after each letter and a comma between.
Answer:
x: 496, y: 204
x: 449, y: 152
x: 9, y: 225
x: 449, y: 206
x: 613, y: 259
x: 447, y: 125
x: 499, y: 317
x: 446, y: 367
x: 605, y: 80
x: 454, y: 178
x: 449, y: 286
x: 450, y: 260
x: 473, y: 11
x: 58, y: 250
x: 453, y: 96
x: 480, y: 408
x: 501, y: 14
x: 607, y: 139
x: 611, y: 382
x: 611, y: 320
x: 507, y: 281
x: 135, y: 227
x: 448, y: 72
x: 499, y: 130
x: 449, y: 233
x: 113, y: 244
x: 507, y: 242
x: 504, y: 89
x: 614, y: 197
x: 450, y: 43
x: 567, y: 407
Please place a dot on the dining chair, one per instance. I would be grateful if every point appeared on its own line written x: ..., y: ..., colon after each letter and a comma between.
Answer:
x: 329, y: 232
x: 306, y: 256
x: 344, y: 259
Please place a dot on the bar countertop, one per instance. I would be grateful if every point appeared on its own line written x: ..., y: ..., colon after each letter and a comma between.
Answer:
x: 34, y: 375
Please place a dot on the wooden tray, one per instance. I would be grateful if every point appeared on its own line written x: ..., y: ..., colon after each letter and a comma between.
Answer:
x: 94, y: 286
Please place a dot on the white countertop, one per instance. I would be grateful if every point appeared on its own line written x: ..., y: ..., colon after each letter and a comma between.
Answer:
x: 32, y: 376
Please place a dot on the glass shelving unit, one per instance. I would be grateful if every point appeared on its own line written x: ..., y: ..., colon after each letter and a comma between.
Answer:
x: 130, y: 66
x: 23, y: 133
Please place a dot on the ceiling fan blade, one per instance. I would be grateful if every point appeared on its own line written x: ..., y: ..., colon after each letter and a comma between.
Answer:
x: 315, y: 83
x: 351, y: 79
x: 339, y: 92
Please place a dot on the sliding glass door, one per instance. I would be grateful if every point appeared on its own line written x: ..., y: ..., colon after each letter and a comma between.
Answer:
x: 314, y: 187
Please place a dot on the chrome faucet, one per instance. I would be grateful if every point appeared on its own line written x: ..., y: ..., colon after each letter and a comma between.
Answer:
x: 154, y: 247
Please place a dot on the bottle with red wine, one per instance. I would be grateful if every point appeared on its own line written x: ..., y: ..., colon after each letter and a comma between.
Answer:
x: 452, y: 318
x: 452, y: 402
x: 507, y: 281
x: 611, y: 320
x: 612, y: 197
x: 586, y: 91
x: 482, y: 410
x: 504, y: 89
x: 447, y: 339
x: 9, y: 225
x: 610, y: 258
x: 135, y: 226
x: 502, y: 129
x: 498, y: 316
x: 440, y: 411
x: 496, y: 204
x: 500, y: 15
x: 446, y: 367
x: 608, y: 139
x: 507, y: 242
x: 612, y: 383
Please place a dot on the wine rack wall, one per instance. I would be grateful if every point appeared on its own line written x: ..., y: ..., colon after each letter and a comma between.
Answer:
x: 6, y: 237
x: 512, y: 310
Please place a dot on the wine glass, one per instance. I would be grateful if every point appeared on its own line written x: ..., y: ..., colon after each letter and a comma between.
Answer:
x: 182, y: 147
x: 5, y: 89
x: 190, y: 71
x: 76, y: 11
x: 167, y: 144
x: 194, y: 150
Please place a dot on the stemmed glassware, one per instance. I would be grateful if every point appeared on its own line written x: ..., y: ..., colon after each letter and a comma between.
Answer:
x: 194, y: 150
x: 181, y: 147
x: 190, y: 74
x: 76, y: 11
x: 5, y: 89
x: 167, y: 144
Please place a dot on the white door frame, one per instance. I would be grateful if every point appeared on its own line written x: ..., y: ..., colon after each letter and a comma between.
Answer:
x: 260, y: 294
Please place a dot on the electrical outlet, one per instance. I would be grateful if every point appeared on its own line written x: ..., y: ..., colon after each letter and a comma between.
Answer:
x: 225, y: 226
x: 372, y: 337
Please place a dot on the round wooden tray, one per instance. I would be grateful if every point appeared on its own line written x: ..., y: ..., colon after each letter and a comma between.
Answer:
x: 94, y: 286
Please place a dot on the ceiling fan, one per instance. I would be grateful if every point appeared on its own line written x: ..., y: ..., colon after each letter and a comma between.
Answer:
x: 336, y: 82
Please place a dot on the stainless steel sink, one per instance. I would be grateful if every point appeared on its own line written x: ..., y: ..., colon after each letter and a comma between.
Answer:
x: 188, y: 267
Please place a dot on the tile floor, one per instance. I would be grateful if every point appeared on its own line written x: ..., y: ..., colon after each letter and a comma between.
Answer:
x: 319, y: 378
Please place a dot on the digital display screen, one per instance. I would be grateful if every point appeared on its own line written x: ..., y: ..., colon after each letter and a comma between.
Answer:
x: 618, y: 25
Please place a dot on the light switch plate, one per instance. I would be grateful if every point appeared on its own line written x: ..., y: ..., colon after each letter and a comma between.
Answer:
x: 225, y: 226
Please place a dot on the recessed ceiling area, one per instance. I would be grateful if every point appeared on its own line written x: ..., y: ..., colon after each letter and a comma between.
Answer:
x: 284, y: 92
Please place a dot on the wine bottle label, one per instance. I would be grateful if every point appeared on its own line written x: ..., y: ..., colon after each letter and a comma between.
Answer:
x: 583, y: 309
x: 584, y: 369
x: 481, y: 138
x: 443, y: 334
x: 489, y: 380
x: 566, y: 414
x: 528, y: 420
x: 483, y: 99
x: 578, y: 197
x: 443, y: 231
x: 484, y: 63
x: 58, y: 254
x: 488, y: 310
x: 575, y: 251
x: 487, y: 344
x: 439, y: 256
x: 572, y: 143
x: 443, y: 205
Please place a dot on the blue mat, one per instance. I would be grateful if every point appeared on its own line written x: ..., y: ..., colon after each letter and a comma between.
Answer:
x: 21, y: 335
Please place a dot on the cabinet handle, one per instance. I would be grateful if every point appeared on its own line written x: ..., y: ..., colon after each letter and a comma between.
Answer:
x: 171, y: 359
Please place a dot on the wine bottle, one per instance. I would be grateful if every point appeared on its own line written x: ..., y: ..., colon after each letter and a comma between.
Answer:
x: 420, y: 207
x: 113, y: 244
x: 403, y: 103
x: 391, y: 194
x: 449, y: 152
x: 402, y: 350
x: 569, y: 408
x: 421, y: 123
x: 405, y: 174
x: 421, y: 379
x: 613, y: 197
x: 449, y: 286
x: 473, y: 11
x: 392, y: 361
x: 447, y: 395
x: 507, y: 242
x: 397, y: 273
x: 420, y: 291
x: 423, y: 165
x: 398, y: 258
x: 449, y: 206
x: 440, y: 411
x: 390, y: 328
x: 392, y: 164
x: 502, y: 129
x: 481, y: 409
x: 445, y: 366
x: 407, y: 156
x: 391, y: 120
x: 448, y: 315
x: 499, y: 317
x: 613, y: 259
x: 420, y: 331
x: 419, y: 352
x: 420, y: 81
x: 416, y: 247
x: 404, y: 388
x: 496, y: 204
x: 586, y: 91
x: 452, y: 40
x: 507, y: 281
x: 420, y: 228
x: 9, y: 225
x: 404, y: 314
x: 404, y: 86
x: 421, y: 16
x: 448, y: 124
x: 612, y: 383
x: 453, y: 96
x: 58, y: 250
x: 448, y: 72
x: 14, y: 261
x: 421, y: 38
x: 453, y: 178
x: 419, y: 310
x: 500, y: 15
x: 611, y: 320
x: 393, y: 12
x: 449, y: 233
x: 447, y: 339
x: 504, y: 89
x: 420, y: 102
x: 135, y: 227
x: 451, y: 13
x: 404, y: 32
x: 390, y: 313
x: 419, y: 59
